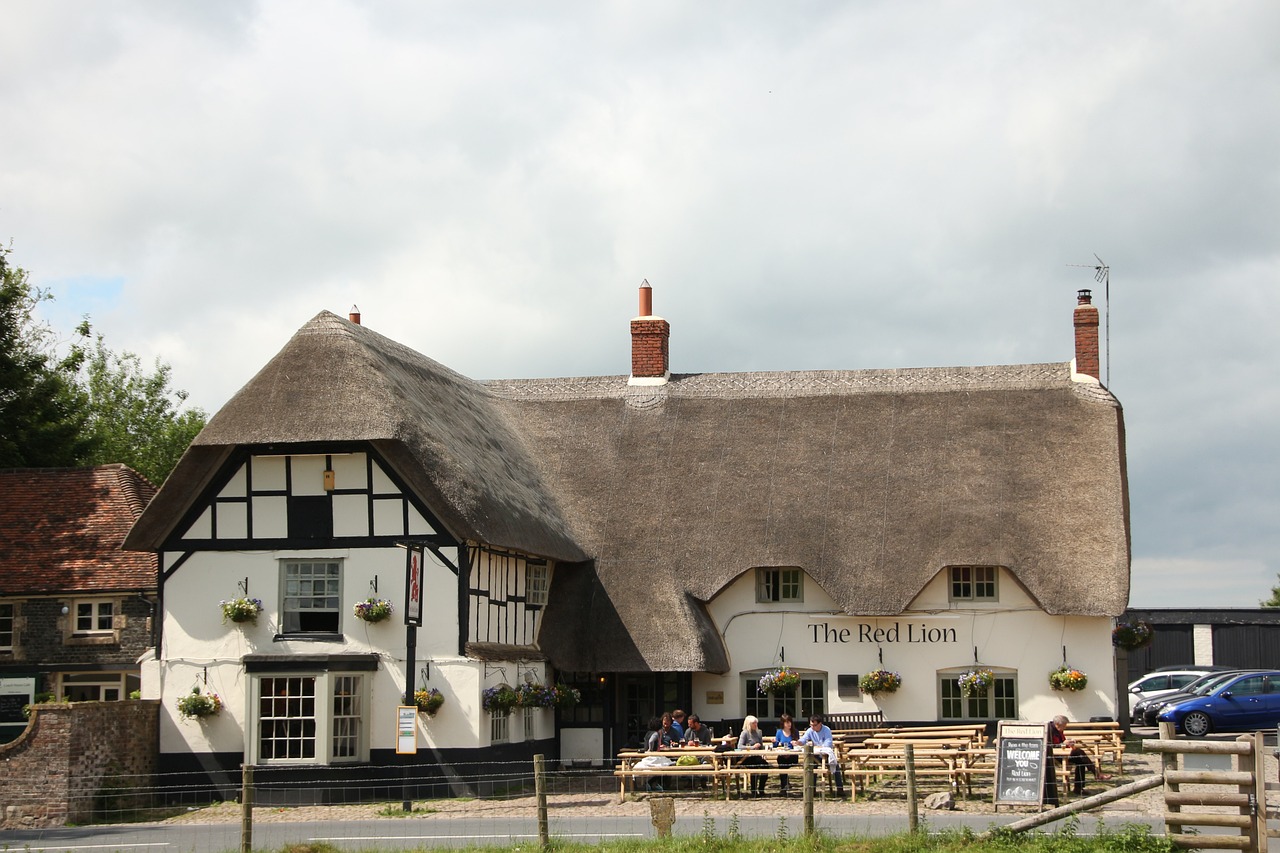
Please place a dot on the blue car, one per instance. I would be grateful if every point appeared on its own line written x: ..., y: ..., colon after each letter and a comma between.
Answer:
x: 1246, y: 702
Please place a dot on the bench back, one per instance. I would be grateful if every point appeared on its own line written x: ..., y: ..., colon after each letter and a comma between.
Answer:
x: 853, y: 721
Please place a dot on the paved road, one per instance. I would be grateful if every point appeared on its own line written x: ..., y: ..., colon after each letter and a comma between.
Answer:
x: 451, y: 832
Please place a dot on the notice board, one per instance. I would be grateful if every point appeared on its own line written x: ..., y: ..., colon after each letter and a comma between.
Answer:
x: 1022, y: 751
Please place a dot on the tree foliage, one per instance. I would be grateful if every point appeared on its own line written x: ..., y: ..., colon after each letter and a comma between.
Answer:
x: 90, y: 406
x: 1274, y: 600
x: 43, y: 410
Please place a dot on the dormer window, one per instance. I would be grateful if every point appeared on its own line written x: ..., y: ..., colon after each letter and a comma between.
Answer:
x: 779, y: 585
x: 974, y: 583
x: 538, y: 583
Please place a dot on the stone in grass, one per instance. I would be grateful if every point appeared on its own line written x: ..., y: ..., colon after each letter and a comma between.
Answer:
x: 941, y: 800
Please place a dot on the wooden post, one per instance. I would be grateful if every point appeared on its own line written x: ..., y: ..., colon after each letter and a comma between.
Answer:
x: 246, y: 808
x: 540, y: 792
x: 808, y: 789
x: 1168, y: 764
x: 913, y: 803
x: 1258, y: 832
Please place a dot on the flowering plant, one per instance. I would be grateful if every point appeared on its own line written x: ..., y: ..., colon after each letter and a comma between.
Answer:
x: 779, y: 681
x: 428, y: 701
x: 197, y: 704
x: 1132, y: 635
x: 880, y: 681
x: 1066, y: 678
x: 566, y: 697
x: 241, y: 609
x: 500, y: 699
x: 975, y: 682
x: 373, y: 609
x: 535, y: 696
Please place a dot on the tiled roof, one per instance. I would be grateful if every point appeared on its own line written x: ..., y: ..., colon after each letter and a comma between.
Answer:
x: 61, y: 530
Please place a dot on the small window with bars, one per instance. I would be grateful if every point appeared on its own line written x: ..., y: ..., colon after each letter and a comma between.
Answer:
x: 7, y: 615
x: 974, y: 583
x: 530, y: 723
x: 499, y: 728
x: 779, y: 585
x: 538, y: 584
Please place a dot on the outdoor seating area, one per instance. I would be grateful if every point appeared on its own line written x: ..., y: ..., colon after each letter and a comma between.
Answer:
x: 960, y: 757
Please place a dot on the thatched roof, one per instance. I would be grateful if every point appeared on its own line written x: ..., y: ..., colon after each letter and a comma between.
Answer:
x: 871, y: 481
x: 337, y: 381
x: 657, y: 498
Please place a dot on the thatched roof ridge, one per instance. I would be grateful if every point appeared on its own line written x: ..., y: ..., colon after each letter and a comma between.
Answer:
x: 338, y: 381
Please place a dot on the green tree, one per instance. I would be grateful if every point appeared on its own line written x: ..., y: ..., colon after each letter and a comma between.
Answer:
x: 42, y: 409
x: 135, y: 417
x: 1274, y: 600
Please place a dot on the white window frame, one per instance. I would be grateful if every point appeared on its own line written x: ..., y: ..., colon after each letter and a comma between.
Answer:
x: 331, y: 729
x: 8, y: 626
x: 537, y: 583
x: 499, y: 728
x: 298, y: 595
x: 809, y: 698
x: 106, y: 686
x: 96, y: 616
x: 973, y: 583
x: 1000, y: 702
x: 529, y: 716
x: 779, y: 585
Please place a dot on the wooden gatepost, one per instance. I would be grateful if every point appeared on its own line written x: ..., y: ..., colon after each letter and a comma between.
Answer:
x: 1237, y: 796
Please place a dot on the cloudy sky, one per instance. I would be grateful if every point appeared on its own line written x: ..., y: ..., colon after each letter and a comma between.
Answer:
x: 806, y: 185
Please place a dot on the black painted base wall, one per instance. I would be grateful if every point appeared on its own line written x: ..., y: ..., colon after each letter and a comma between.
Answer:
x: 198, y: 779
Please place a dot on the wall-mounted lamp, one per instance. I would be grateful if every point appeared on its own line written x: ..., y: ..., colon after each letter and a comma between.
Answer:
x: 65, y: 610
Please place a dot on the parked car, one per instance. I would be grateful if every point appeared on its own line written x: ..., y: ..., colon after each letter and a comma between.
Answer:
x: 1145, y: 711
x: 1167, y: 679
x: 1244, y: 702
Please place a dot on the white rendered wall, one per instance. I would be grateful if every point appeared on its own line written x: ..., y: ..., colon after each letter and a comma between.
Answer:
x: 932, y: 635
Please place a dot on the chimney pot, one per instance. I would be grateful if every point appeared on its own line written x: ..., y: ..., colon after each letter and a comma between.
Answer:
x: 646, y: 299
x: 354, y: 316
x: 1084, y: 297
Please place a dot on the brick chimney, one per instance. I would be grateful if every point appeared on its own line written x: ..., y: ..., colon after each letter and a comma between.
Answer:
x: 1086, y: 323
x: 354, y: 316
x: 650, y: 362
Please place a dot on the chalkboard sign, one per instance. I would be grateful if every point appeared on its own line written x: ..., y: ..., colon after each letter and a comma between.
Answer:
x: 1021, y: 761
x: 11, y: 707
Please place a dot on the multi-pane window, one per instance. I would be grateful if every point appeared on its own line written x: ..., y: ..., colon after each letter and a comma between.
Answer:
x: 1000, y: 702
x: 316, y: 719
x: 287, y: 719
x: 312, y: 592
x: 348, y: 716
x: 807, y: 699
x: 538, y: 583
x: 529, y: 722
x: 96, y: 686
x: 779, y: 585
x: 6, y: 625
x: 499, y: 728
x: 973, y: 583
x: 94, y: 617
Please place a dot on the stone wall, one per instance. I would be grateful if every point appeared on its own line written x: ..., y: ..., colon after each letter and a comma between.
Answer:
x: 77, y: 759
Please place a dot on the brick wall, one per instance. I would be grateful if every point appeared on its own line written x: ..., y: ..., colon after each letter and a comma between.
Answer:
x: 73, y: 756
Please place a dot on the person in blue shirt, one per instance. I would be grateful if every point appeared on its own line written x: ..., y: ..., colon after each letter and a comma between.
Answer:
x: 820, y: 736
x: 785, y: 739
x: 677, y: 722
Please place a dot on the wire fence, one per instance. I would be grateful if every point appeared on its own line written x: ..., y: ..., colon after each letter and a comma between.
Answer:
x: 379, y: 807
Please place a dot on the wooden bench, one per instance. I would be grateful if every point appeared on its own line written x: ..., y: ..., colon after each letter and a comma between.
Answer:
x: 627, y: 771
x: 733, y: 772
x: 1102, y: 741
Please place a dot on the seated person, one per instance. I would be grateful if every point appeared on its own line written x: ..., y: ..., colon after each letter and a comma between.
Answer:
x: 697, y: 734
x: 823, y: 742
x: 662, y: 735
x: 752, y: 739
x: 1078, y: 760
x: 785, y: 738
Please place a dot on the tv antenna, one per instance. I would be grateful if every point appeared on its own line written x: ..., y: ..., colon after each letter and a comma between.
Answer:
x: 1102, y: 273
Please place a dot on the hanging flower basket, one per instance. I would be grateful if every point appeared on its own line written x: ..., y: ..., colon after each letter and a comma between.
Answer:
x: 1132, y: 635
x: 777, y: 681
x: 500, y: 699
x: 373, y: 610
x: 428, y: 701
x: 566, y: 697
x: 535, y: 696
x: 880, y: 681
x: 1066, y: 678
x: 197, y: 704
x: 976, y: 682
x: 241, y: 609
